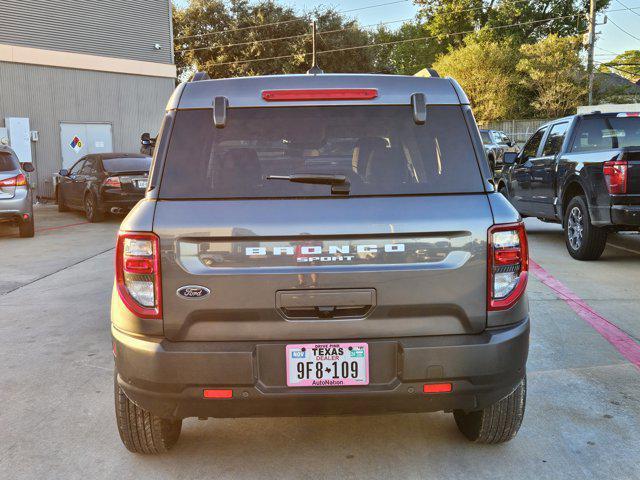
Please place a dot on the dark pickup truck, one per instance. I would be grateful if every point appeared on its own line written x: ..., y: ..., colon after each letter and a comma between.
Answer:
x: 582, y: 171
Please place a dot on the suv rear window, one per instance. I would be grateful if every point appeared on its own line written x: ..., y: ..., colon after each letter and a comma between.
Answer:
x: 378, y: 148
x: 7, y: 162
x: 606, y: 133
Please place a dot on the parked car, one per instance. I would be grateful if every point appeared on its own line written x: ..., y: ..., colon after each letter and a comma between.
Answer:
x: 101, y: 183
x: 16, y: 202
x: 582, y: 171
x: 493, y: 151
x: 496, y: 143
x: 255, y: 281
x: 504, y: 141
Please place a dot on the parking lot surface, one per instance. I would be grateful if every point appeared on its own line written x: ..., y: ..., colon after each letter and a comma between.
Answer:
x: 56, y: 398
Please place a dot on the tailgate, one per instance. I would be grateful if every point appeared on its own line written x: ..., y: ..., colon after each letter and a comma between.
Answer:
x: 306, y: 269
x: 632, y: 155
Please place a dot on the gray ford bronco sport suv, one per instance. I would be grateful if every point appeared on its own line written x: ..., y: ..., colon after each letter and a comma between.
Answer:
x: 319, y: 245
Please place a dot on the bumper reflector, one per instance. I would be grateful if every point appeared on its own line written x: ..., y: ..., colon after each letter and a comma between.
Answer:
x: 218, y: 393
x: 436, y: 388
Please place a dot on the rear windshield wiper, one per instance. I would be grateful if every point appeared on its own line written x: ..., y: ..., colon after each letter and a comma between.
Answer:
x: 339, y: 183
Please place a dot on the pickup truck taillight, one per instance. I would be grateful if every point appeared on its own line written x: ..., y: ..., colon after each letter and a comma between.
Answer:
x: 138, y: 273
x: 615, y: 174
x: 507, y: 265
x: 18, y: 181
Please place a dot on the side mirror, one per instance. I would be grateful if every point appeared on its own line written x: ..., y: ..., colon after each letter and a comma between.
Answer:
x: 64, y: 172
x: 27, y: 167
x: 145, y: 139
x: 509, y: 158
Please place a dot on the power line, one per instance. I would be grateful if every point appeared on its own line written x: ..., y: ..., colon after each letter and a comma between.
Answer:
x: 605, y: 50
x: 372, y: 6
x: 200, y: 35
x: 623, y: 30
x: 285, y: 21
x: 632, y: 10
x: 395, y: 42
x: 252, y: 42
x: 291, y: 37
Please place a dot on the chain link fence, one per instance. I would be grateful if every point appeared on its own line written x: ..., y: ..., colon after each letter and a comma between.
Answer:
x: 518, y: 130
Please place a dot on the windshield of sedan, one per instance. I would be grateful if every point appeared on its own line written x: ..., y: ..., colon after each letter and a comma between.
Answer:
x: 379, y: 150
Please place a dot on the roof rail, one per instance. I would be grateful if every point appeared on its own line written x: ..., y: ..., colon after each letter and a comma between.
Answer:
x: 199, y: 76
x: 427, y: 72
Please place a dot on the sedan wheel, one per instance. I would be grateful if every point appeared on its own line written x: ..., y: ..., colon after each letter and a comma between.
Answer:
x: 91, y: 208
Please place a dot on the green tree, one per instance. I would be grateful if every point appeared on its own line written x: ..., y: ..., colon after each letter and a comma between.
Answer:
x: 408, y: 56
x: 219, y: 37
x: 486, y: 70
x: 447, y: 18
x: 626, y: 65
x: 552, y: 70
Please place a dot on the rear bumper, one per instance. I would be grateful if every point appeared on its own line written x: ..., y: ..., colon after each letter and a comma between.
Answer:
x: 125, y: 201
x: 12, y: 209
x: 168, y: 378
x: 625, y: 215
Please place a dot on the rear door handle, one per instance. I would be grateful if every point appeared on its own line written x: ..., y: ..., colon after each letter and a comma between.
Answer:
x: 319, y: 304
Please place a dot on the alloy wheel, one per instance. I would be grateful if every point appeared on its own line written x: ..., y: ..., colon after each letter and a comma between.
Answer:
x: 575, y: 228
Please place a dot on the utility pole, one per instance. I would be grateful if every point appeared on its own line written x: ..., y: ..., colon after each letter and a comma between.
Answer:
x: 592, y: 43
x: 315, y: 69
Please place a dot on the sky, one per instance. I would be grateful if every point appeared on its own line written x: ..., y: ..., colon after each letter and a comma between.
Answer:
x: 611, y: 40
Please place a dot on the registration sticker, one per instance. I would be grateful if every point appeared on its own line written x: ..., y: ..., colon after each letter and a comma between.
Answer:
x: 327, y: 364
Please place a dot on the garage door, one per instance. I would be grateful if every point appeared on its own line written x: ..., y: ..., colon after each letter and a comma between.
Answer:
x: 80, y: 139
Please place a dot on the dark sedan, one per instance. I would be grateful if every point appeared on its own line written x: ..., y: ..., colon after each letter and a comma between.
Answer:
x: 102, y: 183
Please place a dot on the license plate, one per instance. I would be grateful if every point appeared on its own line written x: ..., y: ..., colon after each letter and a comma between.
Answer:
x: 327, y: 364
x: 141, y: 183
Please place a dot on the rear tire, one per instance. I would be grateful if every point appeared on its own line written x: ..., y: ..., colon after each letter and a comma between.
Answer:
x: 142, y: 431
x: 27, y: 229
x: 92, y: 208
x: 584, y: 240
x: 496, y: 423
x: 62, y: 207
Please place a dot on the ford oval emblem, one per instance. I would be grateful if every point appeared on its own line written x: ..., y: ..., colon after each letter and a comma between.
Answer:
x: 193, y: 291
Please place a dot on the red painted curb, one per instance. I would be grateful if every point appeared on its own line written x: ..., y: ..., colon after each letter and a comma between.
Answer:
x: 622, y: 342
x: 60, y: 226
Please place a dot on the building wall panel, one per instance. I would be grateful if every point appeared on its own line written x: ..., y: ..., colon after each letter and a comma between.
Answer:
x: 47, y: 96
x: 112, y: 28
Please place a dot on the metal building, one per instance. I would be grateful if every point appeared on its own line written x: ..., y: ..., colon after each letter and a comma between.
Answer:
x: 82, y: 76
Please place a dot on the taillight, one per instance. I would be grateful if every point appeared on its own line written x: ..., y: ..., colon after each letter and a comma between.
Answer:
x: 138, y: 273
x: 507, y: 265
x: 18, y: 181
x: 319, y: 94
x: 615, y: 175
x: 112, y: 182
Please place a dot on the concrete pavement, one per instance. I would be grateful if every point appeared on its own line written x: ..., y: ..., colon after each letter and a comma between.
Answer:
x: 56, y: 404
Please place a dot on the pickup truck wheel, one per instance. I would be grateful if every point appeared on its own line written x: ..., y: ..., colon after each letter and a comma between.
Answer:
x: 584, y: 240
x: 142, y: 431
x: 496, y: 423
